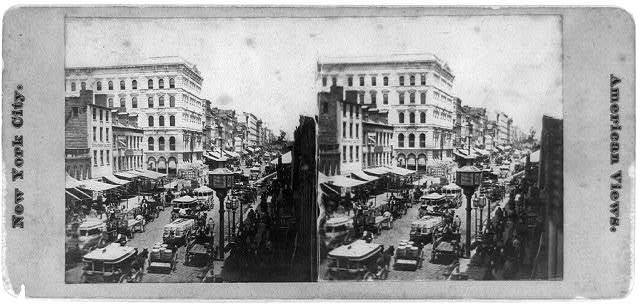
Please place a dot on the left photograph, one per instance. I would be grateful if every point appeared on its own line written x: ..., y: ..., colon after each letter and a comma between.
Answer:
x: 187, y: 157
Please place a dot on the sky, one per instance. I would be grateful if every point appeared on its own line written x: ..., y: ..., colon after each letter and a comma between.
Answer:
x: 267, y: 66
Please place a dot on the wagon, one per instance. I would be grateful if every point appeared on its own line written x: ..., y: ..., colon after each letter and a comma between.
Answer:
x: 351, y: 261
x: 446, y: 244
x: 408, y: 256
x: 422, y: 230
x: 162, y: 259
x: 110, y: 264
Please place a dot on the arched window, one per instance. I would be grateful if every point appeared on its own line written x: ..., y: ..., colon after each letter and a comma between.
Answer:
x: 401, y: 117
x: 412, y: 117
x: 122, y: 86
x: 150, y: 120
x: 423, y: 117
x: 134, y: 84
x: 99, y: 85
x: 412, y: 140
x: 161, y: 83
x: 123, y: 102
x: 150, y: 144
x: 172, y: 101
x: 172, y: 120
x: 412, y: 80
x: 161, y: 101
x: 83, y: 86
x: 161, y: 121
x: 134, y: 102
x: 110, y: 102
x: 423, y: 97
x: 161, y: 144
x: 172, y: 83
x: 172, y: 143
x: 412, y: 97
x: 401, y: 80
x: 385, y: 81
x: 401, y: 140
x: 150, y: 84
x: 423, y: 140
x: 150, y: 102
x: 73, y: 86
x: 110, y: 85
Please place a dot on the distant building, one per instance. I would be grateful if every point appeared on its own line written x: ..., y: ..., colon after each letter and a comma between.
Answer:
x: 377, y: 144
x: 165, y: 94
x: 88, y: 136
x: 415, y: 89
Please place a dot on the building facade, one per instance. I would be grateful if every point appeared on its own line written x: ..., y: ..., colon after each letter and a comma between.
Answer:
x: 416, y: 90
x: 88, y: 136
x: 128, y: 140
x: 165, y: 94
x: 503, y: 128
x: 251, y: 122
x: 377, y: 144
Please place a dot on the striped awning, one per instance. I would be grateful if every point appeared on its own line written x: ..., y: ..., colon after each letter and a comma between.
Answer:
x: 114, y: 180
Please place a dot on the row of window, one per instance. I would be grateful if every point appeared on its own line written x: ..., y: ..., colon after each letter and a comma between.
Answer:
x: 161, y: 147
x: 377, y: 159
x: 101, y: 112
x: 123, y: 85
x: 122, y: 163
x: 103, y: 132
x: 344, y: 130
x: 102, y: 159
x: 151, y: 121
x: 373, y: 80
x: 423, y: 140
x: 150, y: 101
x: 133, y: 142
x: 344, y: 153
x: 423, y: 116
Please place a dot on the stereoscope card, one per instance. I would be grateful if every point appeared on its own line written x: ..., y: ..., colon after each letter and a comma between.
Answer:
x: 318, y: 152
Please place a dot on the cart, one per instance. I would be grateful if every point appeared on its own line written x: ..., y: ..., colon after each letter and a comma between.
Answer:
x: 422, y: 229
x: 352, y: 261
x: 162, y: 259
x: 408, y: 256
x: 445, y: 244
x: 111, y: 264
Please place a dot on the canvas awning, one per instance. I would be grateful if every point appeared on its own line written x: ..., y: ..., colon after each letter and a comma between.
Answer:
x: 451, y: 186
x: 232, y: 154
x: 96, y: 186
x: 399, y: 171
x: 77, y: 194
x: 286, y: 159
x: 111, y: 179
x: 359, y: 174
x: 170, y: 185
x: 150, y: 174
x: 343, y: 181
x: 377, y: 170
x: 481, y: 152
x: 127, y: 174
x: 185, y: 199
x: 215, y: 156
x: 203, y: 189
x: 71, y: 182
x: 270, y: 175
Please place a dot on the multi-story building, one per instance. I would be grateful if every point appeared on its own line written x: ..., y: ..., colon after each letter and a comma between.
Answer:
x: 377, y: 144
x: 251, y: 136
x: 224, y: 127
x: 416, y: 90
x: 339, y: 133
x: 503, y: 128
x: 127, y: 142
x: 165, y: 94
x: 88, y: 136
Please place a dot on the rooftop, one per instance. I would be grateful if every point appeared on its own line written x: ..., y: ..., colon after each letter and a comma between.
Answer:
x: 151, y: 61
x: 390, y: 58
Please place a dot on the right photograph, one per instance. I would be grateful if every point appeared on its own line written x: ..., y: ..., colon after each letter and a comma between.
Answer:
x: 440, y: 150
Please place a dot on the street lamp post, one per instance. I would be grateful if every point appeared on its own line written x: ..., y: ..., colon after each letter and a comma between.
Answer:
x: 468, y: 178
x: 221, y: 180
x: 481, y: 205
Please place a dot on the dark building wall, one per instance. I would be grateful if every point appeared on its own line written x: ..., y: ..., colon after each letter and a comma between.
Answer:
x: 551, y: 181
x: 329, y: 106
x: 304, y: 181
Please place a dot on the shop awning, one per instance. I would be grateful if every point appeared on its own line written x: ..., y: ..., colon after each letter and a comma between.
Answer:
x: 150, y: 174
x: 464, y: 155
x: 215, y: 156
x: 399, y: 171
x: 270, y: 175
x: 481, y: 152
x: 71, y: 182
x: 203, y: 189
x: 377, y: 170
x: 127, y: 174
x: 96, y: 186
x: 111, y: 179
x: 286, y: 159
x: 451, y: 186
x: 77, y: 194
x: 231, y: 154
x: 359, y: 174
x: 343, y: 181
x: 185, y: 199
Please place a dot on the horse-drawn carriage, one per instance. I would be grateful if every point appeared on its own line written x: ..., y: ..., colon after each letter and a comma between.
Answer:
x: 398, y: 206
x: 200, y: 249
x: 178, y: 232
x: 353, y: 261
x: 187, y: 207
x: 422, y: 230
x: 111, y: 264
x: 338, y: 230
